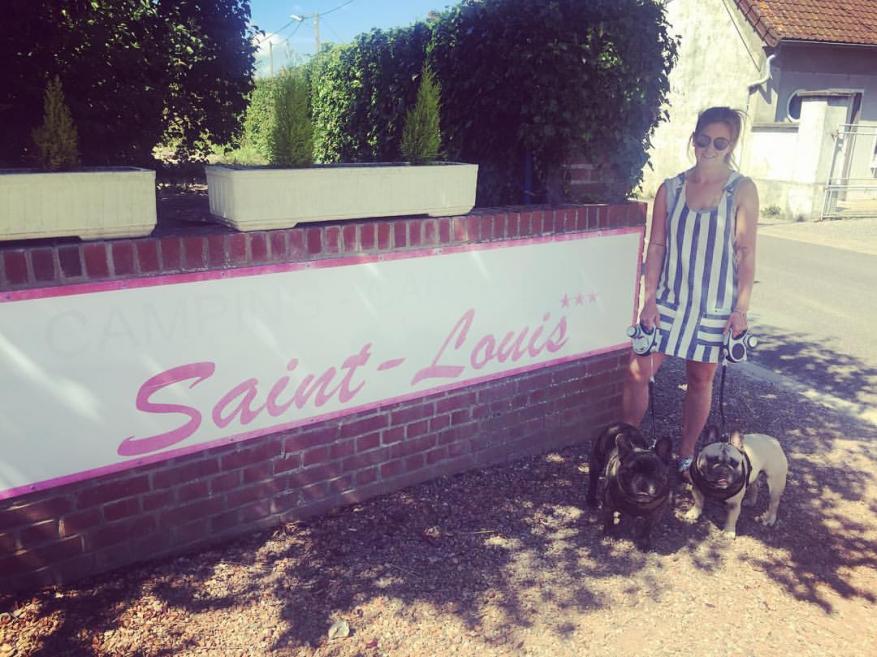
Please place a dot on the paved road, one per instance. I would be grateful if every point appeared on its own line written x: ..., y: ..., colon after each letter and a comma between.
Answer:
x: 815, y: 308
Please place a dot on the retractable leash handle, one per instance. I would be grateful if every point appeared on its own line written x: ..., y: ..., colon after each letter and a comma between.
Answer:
x: 736, y: 347
x: 645, y: 343
x: 734, y: 350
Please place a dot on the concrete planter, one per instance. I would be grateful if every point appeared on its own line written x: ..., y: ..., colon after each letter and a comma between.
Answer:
x: 257, y: 198
x: 89, y: 203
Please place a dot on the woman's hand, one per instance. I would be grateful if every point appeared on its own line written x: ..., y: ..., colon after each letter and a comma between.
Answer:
x: 649, y: 315
x: 737, y: 323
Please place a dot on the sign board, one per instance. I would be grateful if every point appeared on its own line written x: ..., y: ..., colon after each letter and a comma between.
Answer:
x: 101, y: 377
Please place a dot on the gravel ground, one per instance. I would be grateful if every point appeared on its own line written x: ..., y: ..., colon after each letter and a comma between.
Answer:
x: 507, y: 561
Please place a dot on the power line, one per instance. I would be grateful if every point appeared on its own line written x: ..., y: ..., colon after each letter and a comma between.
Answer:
x: 292, y: 34
x: 268, y: 35
x: 300, y: 20
x: 337, y: 36
x: 336, y: 8
x: 316, y: 16
x: 286, y: 41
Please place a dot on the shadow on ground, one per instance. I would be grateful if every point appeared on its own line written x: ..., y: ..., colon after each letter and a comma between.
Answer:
x: 516, y: 538
x: 795, y: 354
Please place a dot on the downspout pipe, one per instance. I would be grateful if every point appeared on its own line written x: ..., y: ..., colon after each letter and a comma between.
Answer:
x: 767, y: 62
x: 752, y: 87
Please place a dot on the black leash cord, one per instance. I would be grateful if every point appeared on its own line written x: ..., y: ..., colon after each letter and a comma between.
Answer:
x: 722, y: 395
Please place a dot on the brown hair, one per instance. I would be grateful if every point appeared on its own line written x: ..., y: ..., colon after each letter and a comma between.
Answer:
x: 730, y: 117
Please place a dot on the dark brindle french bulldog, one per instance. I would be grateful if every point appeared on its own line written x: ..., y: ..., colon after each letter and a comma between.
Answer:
x: 636, y: 477
x: 728, y: 472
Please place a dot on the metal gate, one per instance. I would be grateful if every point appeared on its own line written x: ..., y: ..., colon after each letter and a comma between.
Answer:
x: 851, y: 189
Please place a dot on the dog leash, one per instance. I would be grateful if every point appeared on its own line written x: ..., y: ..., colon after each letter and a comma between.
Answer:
x: 722, y: 397
x: 652, y: 396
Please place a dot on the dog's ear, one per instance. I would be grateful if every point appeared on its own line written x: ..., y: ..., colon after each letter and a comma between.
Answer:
x: 712, y: 434
x: 664, y: 449
x: 736, y: 439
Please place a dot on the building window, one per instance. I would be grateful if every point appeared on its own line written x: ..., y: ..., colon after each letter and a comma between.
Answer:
x: 793, y: 107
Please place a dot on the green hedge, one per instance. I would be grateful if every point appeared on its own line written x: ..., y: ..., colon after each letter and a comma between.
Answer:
x: 521, y: 81
x: 361, y: 93
x: 259, y: 119
x: 551, y: 79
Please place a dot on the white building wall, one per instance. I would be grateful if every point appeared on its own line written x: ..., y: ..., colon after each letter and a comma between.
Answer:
x: 720, y: 57
x: 818, y: 68
x: 716, y: 64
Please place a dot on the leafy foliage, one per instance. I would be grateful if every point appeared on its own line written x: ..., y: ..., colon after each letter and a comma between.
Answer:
x: 521, y: 80
x: 291, y: 141
x: 56, y: 138
x: 259, y: 119
x: 135, y: 72
x: 551, y: 79
x: 361, y: 92
x: 421, y: 136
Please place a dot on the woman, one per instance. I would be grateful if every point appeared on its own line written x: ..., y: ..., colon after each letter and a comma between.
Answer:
x: 700, y: 266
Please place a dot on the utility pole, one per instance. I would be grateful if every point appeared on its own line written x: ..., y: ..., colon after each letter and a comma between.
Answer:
x: 271, y: 56
x: 316, y: 17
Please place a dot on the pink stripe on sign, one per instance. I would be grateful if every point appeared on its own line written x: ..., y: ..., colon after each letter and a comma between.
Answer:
x: 390, y: 364
x: 183, y: 451
x: 260, y: 270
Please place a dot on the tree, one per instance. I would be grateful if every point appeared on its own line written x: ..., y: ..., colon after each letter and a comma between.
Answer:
x: 56, y: 138
x: 422, y: 136
x: 291, y: 142
x: 135, y: 72
x: 259, y: 118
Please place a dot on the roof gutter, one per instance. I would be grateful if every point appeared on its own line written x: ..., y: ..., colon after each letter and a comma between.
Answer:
x: 811, y: 42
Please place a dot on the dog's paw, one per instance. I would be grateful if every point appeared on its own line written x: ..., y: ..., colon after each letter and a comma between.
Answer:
x: 692, y: 515
x: 767, y: 519
x: 729, y: 534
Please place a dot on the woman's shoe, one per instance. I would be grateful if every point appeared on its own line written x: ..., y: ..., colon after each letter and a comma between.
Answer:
x: 683, y: 464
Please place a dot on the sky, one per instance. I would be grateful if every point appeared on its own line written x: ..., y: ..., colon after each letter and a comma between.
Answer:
x: 340, y: 21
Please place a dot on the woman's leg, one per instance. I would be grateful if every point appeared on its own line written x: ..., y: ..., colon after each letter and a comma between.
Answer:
x: 635, y: 395
x: 698, y: 400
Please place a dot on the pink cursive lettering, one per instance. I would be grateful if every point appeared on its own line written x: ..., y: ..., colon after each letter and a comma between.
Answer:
x: 514, y: 346
x: 248, y: 390
x: 239, y: 403
x: 436, y: 371
x: 132, y: 446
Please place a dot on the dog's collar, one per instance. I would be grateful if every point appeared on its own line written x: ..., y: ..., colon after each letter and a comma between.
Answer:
x: 624, y: 505
x: 721, y: 494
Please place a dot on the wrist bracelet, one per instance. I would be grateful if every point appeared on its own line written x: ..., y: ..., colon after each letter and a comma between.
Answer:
x: 739, y: 312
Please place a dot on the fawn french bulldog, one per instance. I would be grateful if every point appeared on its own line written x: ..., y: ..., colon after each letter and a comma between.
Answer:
x: 728, y: 472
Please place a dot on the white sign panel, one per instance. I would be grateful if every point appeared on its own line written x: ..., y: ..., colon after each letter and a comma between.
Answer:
x: 104, y: 377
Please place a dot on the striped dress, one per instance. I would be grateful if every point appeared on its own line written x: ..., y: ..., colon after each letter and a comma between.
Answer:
x: 697, y: 288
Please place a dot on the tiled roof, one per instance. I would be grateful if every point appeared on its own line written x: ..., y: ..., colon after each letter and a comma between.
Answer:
x: 840, y: 21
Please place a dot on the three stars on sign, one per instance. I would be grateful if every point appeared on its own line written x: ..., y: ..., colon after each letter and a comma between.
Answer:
x: 579, y: 299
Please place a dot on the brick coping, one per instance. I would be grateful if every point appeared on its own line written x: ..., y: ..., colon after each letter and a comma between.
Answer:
x: 201, y: 248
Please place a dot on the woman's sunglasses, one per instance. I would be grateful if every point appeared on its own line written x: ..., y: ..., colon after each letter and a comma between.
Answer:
x: 703, y: 141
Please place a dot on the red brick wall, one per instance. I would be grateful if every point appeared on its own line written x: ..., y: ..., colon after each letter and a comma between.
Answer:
x: 584, y: 180
x: 69, y: 532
